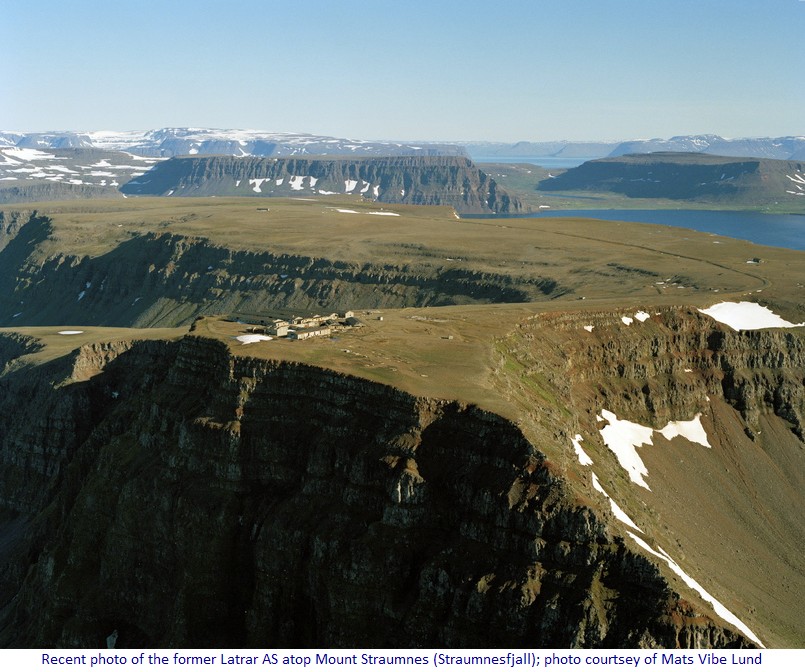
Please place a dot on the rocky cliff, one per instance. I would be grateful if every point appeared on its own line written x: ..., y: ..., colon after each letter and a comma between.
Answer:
x: 730, y: 509
x: 431, y: 180
x: 168, y: 279
x: 687, y: 176
x: 11, y: 222
x: 188, y: 497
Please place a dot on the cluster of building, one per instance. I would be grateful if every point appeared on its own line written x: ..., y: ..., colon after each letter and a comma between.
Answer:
x: 301, y: 328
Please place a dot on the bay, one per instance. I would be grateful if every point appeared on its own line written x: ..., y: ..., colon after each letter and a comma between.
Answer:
x: 776, y: 230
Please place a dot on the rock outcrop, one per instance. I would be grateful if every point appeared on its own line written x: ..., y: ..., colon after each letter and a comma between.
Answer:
x: 187, y: 497
x: 730, y: 510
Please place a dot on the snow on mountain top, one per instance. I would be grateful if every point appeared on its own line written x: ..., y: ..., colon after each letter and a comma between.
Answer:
x: 116, y: 139
x: 27, y: 154
x: 745, y: 315
x: 177, y: 141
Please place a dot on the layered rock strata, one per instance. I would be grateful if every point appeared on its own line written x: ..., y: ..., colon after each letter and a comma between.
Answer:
x: 187, y: 497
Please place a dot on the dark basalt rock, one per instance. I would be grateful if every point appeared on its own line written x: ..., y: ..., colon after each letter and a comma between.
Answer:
x: 187, y: 497
x: 416, y: 180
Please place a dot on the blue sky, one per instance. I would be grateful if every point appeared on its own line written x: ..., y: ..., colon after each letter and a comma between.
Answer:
x: 415, y: 70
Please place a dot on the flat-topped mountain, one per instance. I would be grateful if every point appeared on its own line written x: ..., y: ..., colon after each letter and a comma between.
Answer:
x: 687, y: 176
x: 167, y: 142
x: 542, y: 443
x: 782, y: 148
x: 30, y: 175
x: 416, y: 180
x: 305, y: 504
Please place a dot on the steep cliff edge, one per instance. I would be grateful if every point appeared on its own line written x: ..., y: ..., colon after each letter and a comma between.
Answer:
x: 158, y: 278
x: 685, y: 176
x: 730, y: 506
x: 200, y: 498
x: 415, y: 180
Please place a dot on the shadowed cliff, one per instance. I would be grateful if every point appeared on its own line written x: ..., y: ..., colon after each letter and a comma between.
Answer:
x: 201, y: 499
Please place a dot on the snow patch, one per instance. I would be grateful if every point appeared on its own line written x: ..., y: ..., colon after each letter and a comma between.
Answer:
x: 627, y: 320
x: 349, y: 185
x: 296, y: 182
x: 70, y: 332
x: 385, y: 214
x: 692, y: 430
x: 584, y: 458
x: 256, y: 184
x: 28, y: 154
x: 719, y: 608
x: 623, y: 438
x: 252, y: 338
x: 617, y: 511
x: 746, y: 315
x: 589, y: 327
x: 641, y: 316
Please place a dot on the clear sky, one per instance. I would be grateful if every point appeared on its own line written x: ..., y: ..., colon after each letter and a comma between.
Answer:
x: 409, y: 70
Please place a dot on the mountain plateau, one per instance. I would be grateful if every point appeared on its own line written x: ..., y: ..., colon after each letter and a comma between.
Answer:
x: 445, y: 476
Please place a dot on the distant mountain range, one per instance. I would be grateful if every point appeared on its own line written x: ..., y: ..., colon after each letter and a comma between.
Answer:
x: 32, y: 175
x: 168, y: 142
x: 790, y: 148
x: 97, y: 164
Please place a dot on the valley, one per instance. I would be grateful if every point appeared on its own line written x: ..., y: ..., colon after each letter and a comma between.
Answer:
x: 446, y: 473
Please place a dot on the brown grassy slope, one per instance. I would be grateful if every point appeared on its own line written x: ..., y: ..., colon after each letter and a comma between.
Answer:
x: 727, y: 514
x: 601, y: 261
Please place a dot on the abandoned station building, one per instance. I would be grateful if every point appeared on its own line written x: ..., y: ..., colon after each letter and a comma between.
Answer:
x: 301, y: 328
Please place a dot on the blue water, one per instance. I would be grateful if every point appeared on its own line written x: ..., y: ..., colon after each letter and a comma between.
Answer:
x: 544, y: 161
x: 775, y: 230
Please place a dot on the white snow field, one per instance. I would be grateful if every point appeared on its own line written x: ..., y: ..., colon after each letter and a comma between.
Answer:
x: 743, y: 315
x: 623, y: 437
x: 252, y: 338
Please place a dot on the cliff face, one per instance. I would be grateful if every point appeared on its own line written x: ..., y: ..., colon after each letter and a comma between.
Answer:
x: 667, y: 365
x: 10, y: 223
x: 730, y: 512
x: 685, y: 176
x: 435, y: 180
x: 167, y: 279
x: 193, y: 498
